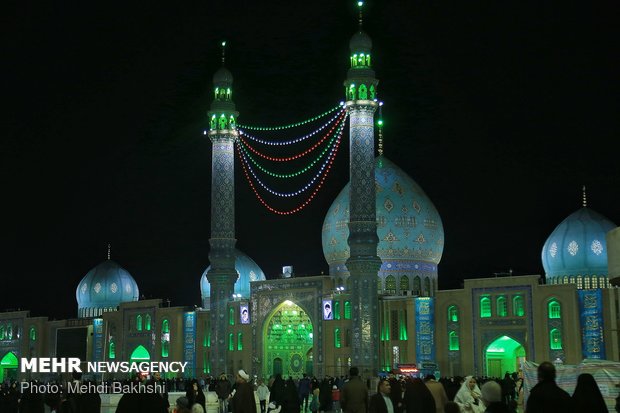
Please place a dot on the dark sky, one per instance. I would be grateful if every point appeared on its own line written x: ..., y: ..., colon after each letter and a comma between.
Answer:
x: 501, y: 111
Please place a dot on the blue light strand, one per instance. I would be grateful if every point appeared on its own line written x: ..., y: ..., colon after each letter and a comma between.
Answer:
x: 292, y: 141
x: 310, y: 183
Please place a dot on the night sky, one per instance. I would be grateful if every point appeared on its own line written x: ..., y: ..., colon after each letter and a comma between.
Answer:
x: 501, y: 111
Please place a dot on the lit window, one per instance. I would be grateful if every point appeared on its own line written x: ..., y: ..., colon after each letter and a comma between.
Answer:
x: 453, y: 340
x: 579, y: 282
x: 485, y: 307
x: 33, y: 334
x: 240, y: 341
x: 554, y: 309
x: 139, y: 322
x: 502, y: 306
x: 231, y: 316
x: 336, y: 310
x: 517, y: 306
x: 453, y: 314
x: 586, y: 282
x: 147, y: 322
x: 231, y: 342
x: 390, y: 284
x: 337, y: 340
x: 112, y: 350
x: 555, y: 338
x: 165, y: 326
x: 404, y: 283
x: 165, y: 348
x: 347, y: 310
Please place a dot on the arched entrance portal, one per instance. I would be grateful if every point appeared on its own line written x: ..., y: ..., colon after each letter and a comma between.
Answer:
x: 8, y: 367
x: 288, y: 338
x: 504, y: 355
x: 139, y: 354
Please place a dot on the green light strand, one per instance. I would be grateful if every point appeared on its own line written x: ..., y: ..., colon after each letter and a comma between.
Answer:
x: 299, y: 172
x: 292, y: 125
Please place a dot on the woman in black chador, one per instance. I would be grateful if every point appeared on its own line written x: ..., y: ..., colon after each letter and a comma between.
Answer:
x: 195, y: 395
x: 587, y: 396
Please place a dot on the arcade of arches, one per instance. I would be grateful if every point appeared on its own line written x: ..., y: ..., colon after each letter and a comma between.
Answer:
x: 288, y: 342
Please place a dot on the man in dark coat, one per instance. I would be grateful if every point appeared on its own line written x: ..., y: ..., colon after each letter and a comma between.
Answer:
x: 354, y: 395
x: 381, y: 402
x: 546, y: 396
x: 243, y: 400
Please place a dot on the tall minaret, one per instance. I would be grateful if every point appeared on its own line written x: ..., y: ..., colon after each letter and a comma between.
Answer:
x: 363, y: 263
x: 222, y: 275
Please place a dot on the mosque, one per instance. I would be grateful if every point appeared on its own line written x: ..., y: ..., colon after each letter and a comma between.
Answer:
x: 379, y: 307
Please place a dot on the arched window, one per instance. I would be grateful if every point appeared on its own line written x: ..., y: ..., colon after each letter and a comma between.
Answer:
x: 390, y: 284
x: 417, y: 285
x: 2, y: 333
x: 337, y: 339
x: 485, y: 307
x: 139, y: 322
x: 336, y: 309
x: 404, y: 283
x: 347, y: 310
x: 111, y: 350
x: 372, y: 87
x: 427, y: 286
x: 453, y: 340
x: 453, y: 314
x: 363, y: 92
x: 603, y: 282
x: 554, y: 309
x: 517, y: 306
x: 594, y: 280
x: 147, y: 322
x: 165, y: 337
x: 240, y: 341
x: 502, y: 306
x: 579, y: 282
x: 231, y: 342
x: 565, y: 279
x: 352, y: 92
x: 571, y: 279
x: 354, y: 60
x: 555, y: 338
x: 231, y: 316
x: 33, y: 334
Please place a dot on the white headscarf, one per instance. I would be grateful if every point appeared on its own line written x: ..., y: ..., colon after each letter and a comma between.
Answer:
x: 465, y: 397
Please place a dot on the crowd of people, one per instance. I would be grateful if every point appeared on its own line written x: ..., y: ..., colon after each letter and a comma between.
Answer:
x: 346, y: 394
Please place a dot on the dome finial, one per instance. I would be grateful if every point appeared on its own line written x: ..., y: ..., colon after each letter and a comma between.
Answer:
x: 585, y: 201
x: 109, y: 250
x: 223, y: 52
x: 380, y: 125
x: 360, y: 4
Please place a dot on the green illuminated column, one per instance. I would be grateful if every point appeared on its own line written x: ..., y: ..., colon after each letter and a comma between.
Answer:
x: 363, y: 263
x: 222, y: 275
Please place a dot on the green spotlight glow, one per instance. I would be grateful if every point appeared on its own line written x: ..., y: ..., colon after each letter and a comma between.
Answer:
x: 360, y: 3
x: 223, y: 44
x: 380, y: 123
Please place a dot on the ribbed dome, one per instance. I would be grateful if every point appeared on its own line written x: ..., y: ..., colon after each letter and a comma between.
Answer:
x: 577, y: 246
x: 248, y: 271
x: 409, y: 228
x: 360, y: 43
x: 222, y: 77
x: 103, y: 288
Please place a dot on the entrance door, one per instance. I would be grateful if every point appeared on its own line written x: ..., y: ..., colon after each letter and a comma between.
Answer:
x: 8, y: 367
x: 503, y: 356
x: 277, y: 366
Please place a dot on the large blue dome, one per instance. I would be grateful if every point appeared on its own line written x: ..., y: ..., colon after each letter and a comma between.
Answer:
x: 577, y: 247
x: 409, y: 228
x: 248, y: 271
x: 103, y: 288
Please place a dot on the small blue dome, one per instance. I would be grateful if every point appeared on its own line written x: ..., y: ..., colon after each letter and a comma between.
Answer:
x: 577, y: 246
x: 103, y: 288
x: 248, y: 271
x: 409, y: 228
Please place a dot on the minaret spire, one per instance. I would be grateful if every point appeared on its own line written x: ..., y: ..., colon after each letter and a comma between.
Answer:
x: 222, y: 275
x: 360, y: 4
x: 223, y: 52
x: 363, y: 263
x: 109, y: 250
x: 585, y: 201
x: 380, y: 128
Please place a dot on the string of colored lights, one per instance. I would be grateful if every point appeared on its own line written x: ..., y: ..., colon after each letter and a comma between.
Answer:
x: 300, y: 154
x: 298, y: 172
x: 301, y: 205
x: 304, y: 187
x: 292, y: 125
x: 276, y: 142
